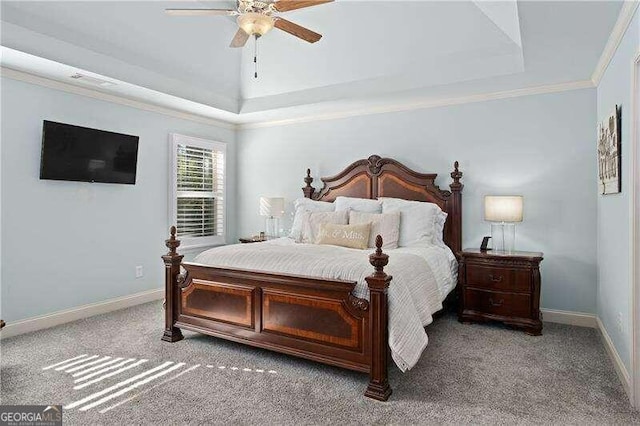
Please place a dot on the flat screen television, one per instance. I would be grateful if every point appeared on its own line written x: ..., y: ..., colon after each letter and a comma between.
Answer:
x: 89, y: 155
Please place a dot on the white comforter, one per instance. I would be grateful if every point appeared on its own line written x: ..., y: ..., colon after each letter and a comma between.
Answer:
x: 422, y: 278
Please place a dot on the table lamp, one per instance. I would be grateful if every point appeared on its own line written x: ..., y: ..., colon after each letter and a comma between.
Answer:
x: 504, y: 211
x: 273, y: 209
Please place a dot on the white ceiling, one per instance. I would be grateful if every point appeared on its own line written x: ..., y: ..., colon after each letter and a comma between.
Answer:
x: 371, y: 52
x: 412, y: 43
x: 132, y: 41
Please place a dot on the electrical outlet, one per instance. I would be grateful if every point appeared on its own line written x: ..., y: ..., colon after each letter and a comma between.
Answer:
x: 139, y: 271
x: 620, y: 322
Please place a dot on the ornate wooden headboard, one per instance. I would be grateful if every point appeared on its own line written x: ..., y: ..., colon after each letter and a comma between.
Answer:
x: 384, y: 177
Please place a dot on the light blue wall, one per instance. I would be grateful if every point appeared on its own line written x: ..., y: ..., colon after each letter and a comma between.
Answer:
x: 542, y: 147
x: 614, y: 211
x: 66, y: 244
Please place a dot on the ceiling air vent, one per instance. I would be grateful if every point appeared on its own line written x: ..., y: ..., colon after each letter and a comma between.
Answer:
x: 92, y: 80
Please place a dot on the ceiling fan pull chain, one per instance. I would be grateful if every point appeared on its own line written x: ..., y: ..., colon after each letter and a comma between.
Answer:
x: 255, y: 58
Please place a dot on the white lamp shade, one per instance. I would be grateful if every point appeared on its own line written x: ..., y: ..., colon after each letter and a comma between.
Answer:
x: 503, y: 208
x: 272, y: 206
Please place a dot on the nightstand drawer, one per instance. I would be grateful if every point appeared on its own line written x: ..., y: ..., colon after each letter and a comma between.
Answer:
x: 496, y: 278
x: 498, y: 303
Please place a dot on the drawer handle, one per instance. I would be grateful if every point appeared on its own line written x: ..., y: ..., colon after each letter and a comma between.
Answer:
x: 499, y: 303
x: 495, y: 279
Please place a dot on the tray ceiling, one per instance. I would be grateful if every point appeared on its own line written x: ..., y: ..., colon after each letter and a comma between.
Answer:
x: 372, y: 51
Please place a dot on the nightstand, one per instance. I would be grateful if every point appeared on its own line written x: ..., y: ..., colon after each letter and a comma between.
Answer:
x: 254, y: 239
x: 500, y: 286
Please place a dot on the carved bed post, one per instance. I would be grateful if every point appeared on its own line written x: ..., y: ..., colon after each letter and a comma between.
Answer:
x: 456, y: 210
x: 172, y: 262
x: 308, y: 189
x: 378, y: 282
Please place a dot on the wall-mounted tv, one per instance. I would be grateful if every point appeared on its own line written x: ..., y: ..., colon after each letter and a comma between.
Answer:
x: 88, y: 155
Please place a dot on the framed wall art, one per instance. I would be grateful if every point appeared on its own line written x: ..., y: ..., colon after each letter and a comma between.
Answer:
x: 609, y: 153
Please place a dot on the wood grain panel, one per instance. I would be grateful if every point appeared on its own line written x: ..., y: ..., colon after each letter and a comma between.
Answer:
x: 358, y: 185
x: 310, y: 318
x: 316, y: 351
x: 391, y: 185
x: 498, y: 303
x: 218, y: 301
x: 496, y: 278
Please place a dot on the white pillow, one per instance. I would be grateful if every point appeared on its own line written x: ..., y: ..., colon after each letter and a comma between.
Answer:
x: 385, y: 224
x: 439, y: 220
x: 311, y: 223
x: 419, y: 221
x: 358, y: 204
x: 306, y: 204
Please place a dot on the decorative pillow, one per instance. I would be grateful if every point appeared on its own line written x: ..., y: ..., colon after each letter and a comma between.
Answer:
x: 358, y: 204
x: 385, y: 224
x: 439, y: 220
x: 352, y: 236
x: 306, y: 204
x: 419, y: 221
x: 311, y: 223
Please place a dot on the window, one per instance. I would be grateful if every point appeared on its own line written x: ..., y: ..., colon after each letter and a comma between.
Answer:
x: 197, y: 204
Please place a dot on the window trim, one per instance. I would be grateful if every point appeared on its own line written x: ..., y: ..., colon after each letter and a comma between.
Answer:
x: 176, y: 139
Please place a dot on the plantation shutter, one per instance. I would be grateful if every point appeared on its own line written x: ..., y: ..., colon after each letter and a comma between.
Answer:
x: 199, y: 189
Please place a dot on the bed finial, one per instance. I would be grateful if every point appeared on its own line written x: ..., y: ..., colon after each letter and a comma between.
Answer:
x: 308, y: 189
x: 172, y: 243
x: 456, y: 175
x: 379, y: 259
x: 379, y: 244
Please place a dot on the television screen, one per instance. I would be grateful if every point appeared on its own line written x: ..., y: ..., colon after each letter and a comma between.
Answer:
x: 89, y: 155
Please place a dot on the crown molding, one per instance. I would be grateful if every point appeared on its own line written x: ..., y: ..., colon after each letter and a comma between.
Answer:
x: 423, y: 104
x: 121, y: 100
x: 615, y: 38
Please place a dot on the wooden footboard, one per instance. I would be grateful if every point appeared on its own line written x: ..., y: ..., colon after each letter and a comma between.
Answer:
x: 308, y: 317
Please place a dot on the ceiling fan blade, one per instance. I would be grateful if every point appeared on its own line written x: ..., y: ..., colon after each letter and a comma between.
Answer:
x: 286, y: 5
x: 200, y: 12
x: 240, y: 39
x: 297, y: 30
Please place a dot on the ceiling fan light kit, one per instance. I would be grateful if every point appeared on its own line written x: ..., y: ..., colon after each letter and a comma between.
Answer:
x: 256, y: 24
x: 257, y: 17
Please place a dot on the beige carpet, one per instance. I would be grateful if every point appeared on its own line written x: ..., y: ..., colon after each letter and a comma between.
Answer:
x: 468, y: 374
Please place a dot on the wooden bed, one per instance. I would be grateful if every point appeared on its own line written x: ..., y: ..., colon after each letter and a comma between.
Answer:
x: 314, y: 318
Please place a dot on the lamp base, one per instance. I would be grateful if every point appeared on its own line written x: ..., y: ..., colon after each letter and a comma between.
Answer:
x: 503, y: 236
x: 271, y: 228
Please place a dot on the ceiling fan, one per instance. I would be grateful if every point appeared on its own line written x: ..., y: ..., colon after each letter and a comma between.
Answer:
x: 257, y: 17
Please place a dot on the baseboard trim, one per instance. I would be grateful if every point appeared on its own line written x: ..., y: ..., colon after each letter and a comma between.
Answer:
x: 618, y: 365
x: 580, y: 319
x: 61, y: 317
